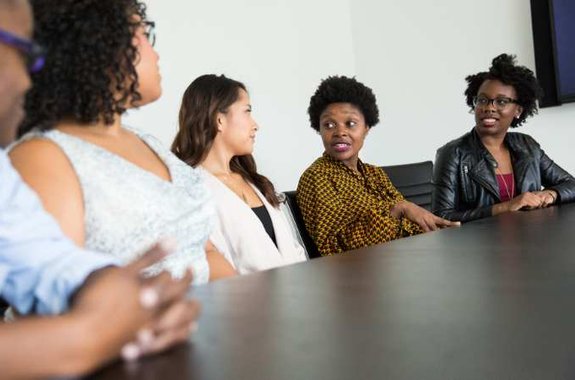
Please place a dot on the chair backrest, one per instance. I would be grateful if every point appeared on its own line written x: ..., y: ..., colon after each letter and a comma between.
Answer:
x: 413, y: 181
x: 308, y: 242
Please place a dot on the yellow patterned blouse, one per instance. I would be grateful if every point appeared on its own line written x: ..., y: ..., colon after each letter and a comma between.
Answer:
x: 345, y: 210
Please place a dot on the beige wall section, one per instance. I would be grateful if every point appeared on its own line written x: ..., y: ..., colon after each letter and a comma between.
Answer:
x: 415, y: 54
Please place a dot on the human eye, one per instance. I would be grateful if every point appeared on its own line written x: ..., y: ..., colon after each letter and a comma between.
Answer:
x: 148, y: 28
x: 351, y: 123
x: 328, y: 124
x: 481, y: 100
x: 502, y: 102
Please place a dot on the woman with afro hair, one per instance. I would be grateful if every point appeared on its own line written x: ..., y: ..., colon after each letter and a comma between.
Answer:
x: 489, y: 171
x: 112, y: 188
x: 347, y: 204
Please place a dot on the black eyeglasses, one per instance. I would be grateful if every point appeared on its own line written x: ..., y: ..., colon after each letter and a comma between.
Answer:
x: 500, y: 102
x: 150, y: 31
x: 34, y: 53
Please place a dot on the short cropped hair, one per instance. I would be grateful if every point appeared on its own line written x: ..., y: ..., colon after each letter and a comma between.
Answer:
x: 341, y: 89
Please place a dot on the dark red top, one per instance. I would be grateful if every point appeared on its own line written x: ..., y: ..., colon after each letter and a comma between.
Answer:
x: 506, y: 184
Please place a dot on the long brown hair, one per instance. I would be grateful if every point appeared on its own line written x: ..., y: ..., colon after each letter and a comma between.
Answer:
x: 204, y: 98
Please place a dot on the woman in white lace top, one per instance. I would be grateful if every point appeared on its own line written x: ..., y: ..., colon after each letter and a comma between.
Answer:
x: 111, y: 188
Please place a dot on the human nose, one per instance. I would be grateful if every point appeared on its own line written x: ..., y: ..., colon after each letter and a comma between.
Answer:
x: 340, y: 130
x: 24, y: 80
x: 490, y: 105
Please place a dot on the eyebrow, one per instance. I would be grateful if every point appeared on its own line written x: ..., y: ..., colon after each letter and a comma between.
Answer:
x: 347, y: 114
x: 497, y: 96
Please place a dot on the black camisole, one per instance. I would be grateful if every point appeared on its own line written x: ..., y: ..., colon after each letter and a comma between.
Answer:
x: 264, y: 216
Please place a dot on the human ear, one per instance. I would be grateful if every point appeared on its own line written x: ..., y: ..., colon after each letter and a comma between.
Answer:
x: 220, y: 122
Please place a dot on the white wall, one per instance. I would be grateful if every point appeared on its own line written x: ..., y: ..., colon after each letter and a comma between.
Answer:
x: 279, y: 48
x: 415, y: 55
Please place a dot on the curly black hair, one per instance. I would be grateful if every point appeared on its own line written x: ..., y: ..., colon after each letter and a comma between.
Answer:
x: 341, y: 89
x: 89, y: 74
x: 504, y: 69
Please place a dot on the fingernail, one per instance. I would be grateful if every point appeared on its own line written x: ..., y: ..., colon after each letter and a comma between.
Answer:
x: 130, y: 352
x: 149, y: 298
x: 145, y: 337
x: 168, y: 244
x: 194, y: 327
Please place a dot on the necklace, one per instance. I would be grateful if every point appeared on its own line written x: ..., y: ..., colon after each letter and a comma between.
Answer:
x: 227, y: 178
x: 512, y: 193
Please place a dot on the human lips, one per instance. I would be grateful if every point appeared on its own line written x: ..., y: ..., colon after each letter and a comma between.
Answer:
x: 19, y: 109
x: 341, y: 146
x: 19, y: 114
x: 489, y: 121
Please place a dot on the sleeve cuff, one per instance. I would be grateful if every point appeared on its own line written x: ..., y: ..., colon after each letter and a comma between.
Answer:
x: 69, y: 278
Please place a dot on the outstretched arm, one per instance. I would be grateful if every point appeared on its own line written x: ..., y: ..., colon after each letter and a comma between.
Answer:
x: 109, y: 314
x: 554, y: 178
x: 337, y: 224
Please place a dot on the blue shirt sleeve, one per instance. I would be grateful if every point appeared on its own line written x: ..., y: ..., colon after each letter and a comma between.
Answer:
x: 39, y: 267
x: 3, y: 272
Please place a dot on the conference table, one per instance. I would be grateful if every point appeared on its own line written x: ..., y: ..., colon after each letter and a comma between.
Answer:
x: 492, y: 299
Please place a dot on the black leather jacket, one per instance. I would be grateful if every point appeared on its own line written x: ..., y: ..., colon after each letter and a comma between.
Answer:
x: 465, y: 186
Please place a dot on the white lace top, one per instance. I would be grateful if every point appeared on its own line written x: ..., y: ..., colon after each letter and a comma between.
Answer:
x: 127, y: 208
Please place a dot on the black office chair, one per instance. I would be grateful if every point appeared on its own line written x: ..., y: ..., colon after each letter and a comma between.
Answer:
x: 413, y: 181
x: 308, y: 242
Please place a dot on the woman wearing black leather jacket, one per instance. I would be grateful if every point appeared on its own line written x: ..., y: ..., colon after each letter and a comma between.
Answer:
x: 489, y: 171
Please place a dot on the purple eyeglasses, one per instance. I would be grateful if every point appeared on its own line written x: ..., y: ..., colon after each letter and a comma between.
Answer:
x: 34, y: 53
